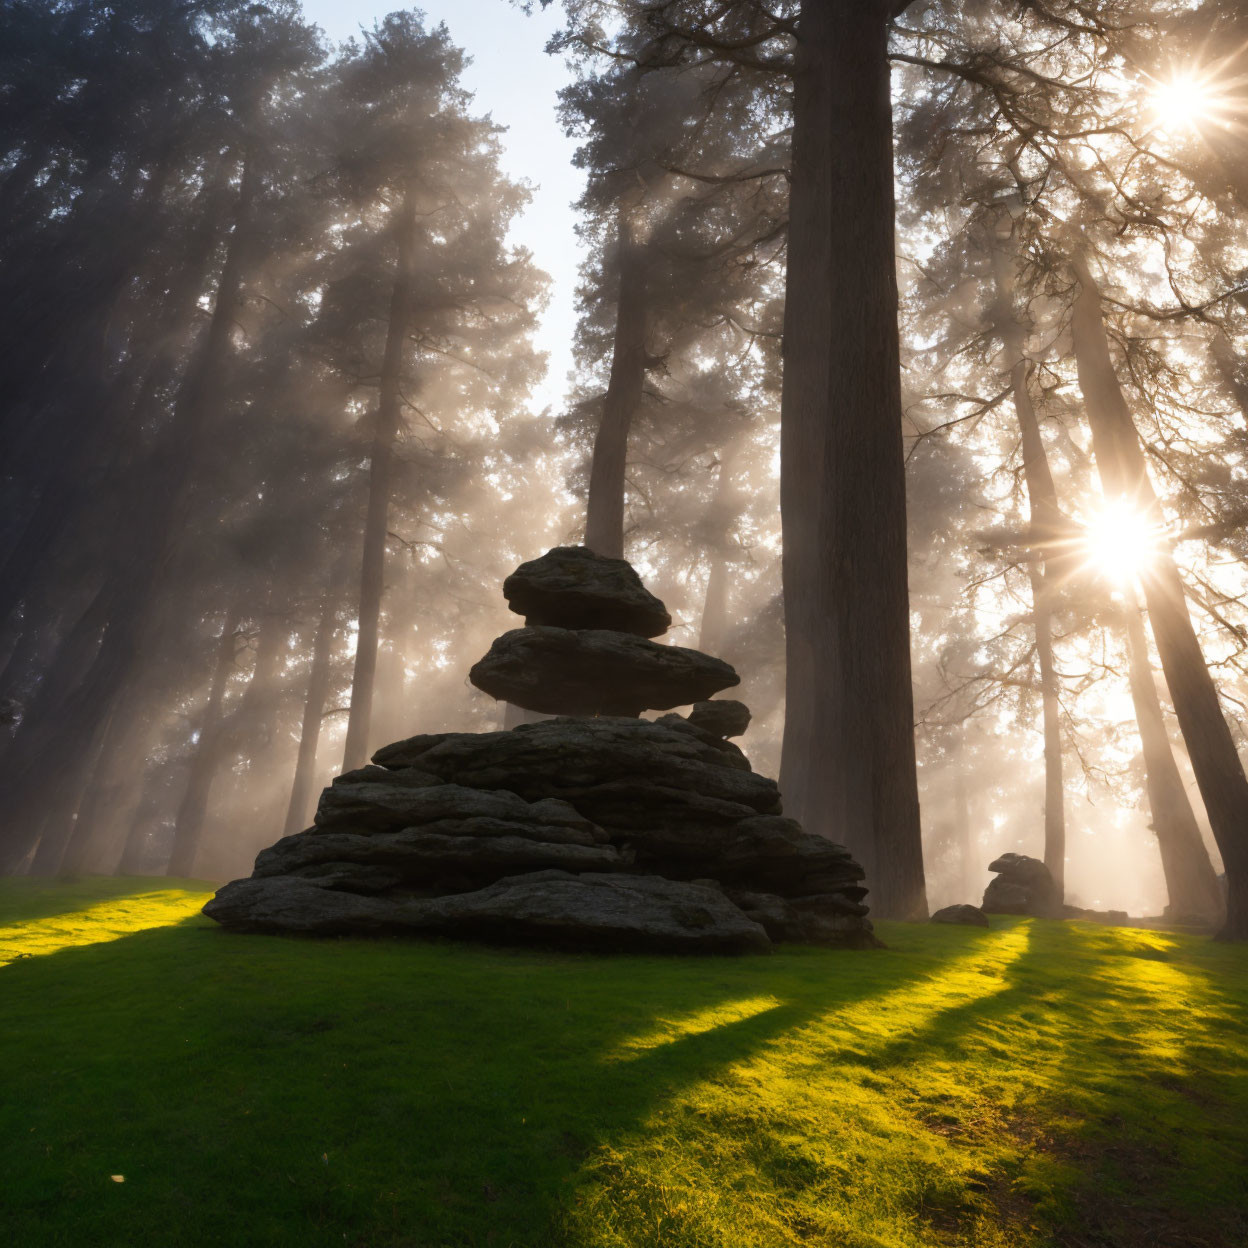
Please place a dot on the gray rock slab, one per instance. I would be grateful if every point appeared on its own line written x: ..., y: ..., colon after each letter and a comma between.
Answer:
x: 563, y: 671
x: 359, y: 801
x: 567, y: 758
x: 423, y: 856
x: 572, y: 587
x: 593, y: 911
x: 811, y: 921
x: 776, y: 855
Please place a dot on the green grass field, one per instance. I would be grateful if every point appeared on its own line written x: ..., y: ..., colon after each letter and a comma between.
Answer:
x: 167, y: 1083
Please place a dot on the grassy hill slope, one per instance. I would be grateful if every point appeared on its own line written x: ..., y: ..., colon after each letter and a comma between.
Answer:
x: 1038, y: 1084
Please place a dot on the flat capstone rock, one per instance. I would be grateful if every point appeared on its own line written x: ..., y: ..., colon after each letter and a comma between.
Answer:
x: 572, y: 587
x: 564, y: 671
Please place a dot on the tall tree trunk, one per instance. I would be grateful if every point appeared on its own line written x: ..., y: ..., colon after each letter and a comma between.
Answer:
x: 723, y: 512
x: 254, y: 729
x: 1045, y: 528
x: 962, y: 828
x: 1124, y: 475
x: 714, y: 606
x: 1191, y: 883
x: 604, y: 519
x: 380, y: 472
x: 298, y: 809
x: 60, y: 821
x: 848, y: 768
x: 146, y: 819
x: 126, y: 727
x: 206, y: 761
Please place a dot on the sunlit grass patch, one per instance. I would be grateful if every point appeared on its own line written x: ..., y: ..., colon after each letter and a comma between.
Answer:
x: 1039, y: 1085
x: 80, y: 920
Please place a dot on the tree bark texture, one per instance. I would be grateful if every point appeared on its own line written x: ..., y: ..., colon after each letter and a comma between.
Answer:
x: 1043, y: 522
x: 848, y: 768
x: 113, y: 786
x: 380, y: 474
x: 604, y: 518
x: 298, y: 811
x: 60, y: 819
x: 206, y: 761
x: 1191, y: 882
x: 1124, y: 474
x: 723, y: 512
x: 963, y: 834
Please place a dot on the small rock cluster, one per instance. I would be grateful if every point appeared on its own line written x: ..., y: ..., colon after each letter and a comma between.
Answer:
x: 964, y: 915
x: 1023, y: 886
x: 594, y: 829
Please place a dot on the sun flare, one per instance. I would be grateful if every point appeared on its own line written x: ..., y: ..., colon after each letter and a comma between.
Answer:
x: 1185, y: 100
x: 1120, y: 541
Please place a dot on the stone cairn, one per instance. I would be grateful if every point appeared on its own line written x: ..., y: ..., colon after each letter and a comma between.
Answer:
x: 594, y: 829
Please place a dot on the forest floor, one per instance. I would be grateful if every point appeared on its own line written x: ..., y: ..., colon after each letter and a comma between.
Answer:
x: 167, y: 1083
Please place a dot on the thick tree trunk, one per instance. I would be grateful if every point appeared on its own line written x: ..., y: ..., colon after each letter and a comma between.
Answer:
x: 373, y: 565
x: 298, y: 810
x: 206, y: 762
x: 1124, y: 474
x: 1191, y: 883
x: 848, y: 767
x: 604, y: 519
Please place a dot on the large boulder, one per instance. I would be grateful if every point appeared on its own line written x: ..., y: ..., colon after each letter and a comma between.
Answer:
x: 591, y: 763
x: 588, y: 911
x: 563, y: 671
x: 1023, y: 886
x: 572, y: 587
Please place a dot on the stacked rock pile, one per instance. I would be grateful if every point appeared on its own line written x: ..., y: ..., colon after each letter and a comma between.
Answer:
x: 595, y: 829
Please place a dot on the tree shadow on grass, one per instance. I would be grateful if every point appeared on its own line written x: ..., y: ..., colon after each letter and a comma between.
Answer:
x: 267, y: 1090
x: 1110, y: 1034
